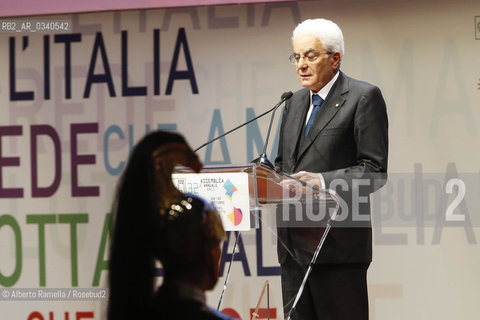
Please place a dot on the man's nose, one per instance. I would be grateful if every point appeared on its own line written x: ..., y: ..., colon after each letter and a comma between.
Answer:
x: 302, y: 65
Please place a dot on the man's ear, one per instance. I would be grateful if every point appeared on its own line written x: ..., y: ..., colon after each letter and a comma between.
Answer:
x: 337, y: 58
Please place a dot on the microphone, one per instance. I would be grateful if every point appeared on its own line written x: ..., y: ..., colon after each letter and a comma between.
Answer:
x: 285, y: 96
x: 263, y: 157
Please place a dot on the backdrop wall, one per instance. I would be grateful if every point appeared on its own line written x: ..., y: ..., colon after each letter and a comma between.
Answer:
x: 73, y: 105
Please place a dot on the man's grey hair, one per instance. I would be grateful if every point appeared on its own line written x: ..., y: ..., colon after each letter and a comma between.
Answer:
x: 328, y: 32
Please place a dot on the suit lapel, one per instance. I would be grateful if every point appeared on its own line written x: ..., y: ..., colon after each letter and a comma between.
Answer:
x: 299, y: 118
x: 334, y: 101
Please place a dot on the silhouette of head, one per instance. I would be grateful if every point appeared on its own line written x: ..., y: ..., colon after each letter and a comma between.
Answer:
x: 155, y: 221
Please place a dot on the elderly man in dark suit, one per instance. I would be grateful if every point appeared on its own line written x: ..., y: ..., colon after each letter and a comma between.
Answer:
x: 334, y: 129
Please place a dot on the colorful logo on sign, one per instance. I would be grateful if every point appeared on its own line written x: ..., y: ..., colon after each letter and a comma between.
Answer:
x: 236, y: 215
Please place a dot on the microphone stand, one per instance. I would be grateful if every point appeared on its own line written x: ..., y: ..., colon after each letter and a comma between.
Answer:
x: 263, y: 159
x: 285, y: 96
x: 315, y: 254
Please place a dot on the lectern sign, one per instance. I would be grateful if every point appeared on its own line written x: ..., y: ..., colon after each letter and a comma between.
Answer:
x: 227, y: 191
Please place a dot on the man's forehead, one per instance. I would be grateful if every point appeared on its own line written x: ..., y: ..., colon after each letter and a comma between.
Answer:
x: 306, y: 42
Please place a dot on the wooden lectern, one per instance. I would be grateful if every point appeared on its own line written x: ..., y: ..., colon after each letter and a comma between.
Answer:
x: 265, y: 186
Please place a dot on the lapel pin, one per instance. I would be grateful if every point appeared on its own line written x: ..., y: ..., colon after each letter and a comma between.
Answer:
x: 336, y: 106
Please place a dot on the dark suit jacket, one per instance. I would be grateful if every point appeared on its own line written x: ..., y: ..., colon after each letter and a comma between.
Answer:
x: 348, y: 140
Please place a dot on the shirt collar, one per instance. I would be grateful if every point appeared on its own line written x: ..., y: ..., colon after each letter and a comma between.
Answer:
x: 326, y: 88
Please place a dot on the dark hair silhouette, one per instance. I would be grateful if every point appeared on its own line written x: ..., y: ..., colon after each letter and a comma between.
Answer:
x: 154, y: 221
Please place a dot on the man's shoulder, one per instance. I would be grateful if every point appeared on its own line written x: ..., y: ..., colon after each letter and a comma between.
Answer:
x: 298, y: 99
x: 301, y: 93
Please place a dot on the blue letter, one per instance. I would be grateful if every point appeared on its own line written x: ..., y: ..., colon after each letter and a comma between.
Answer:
x: 126, y: 90
x: 68, y: 39
x: 187, y: 74
x: 113, y: 171
x: 107, y: 76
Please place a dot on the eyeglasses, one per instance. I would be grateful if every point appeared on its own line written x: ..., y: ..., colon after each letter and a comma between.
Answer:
x: 310, y: 56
